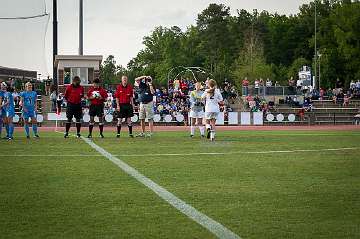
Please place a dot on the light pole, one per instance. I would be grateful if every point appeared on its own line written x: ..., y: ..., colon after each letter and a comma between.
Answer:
x: 315, y: 51
x: 319, y: 55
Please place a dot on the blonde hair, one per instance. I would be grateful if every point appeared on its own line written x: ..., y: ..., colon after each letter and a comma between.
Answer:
x: 27, y: 85
x: 212, y: 86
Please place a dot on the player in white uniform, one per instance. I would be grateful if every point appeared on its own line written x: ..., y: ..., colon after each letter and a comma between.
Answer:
x: 213, y: 100
x: 197, y: 110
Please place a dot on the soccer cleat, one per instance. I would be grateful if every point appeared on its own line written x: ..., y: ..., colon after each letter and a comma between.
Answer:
x: 36, y: 136
x: 89, y: 136
x: 149, y: 135
x: 27, y: 136
x: 66, y: 135
x: 202, y: 136
x: 102, y: 136
x: 118, y: 136
x: 141, y: 135
x: 192, y: 136
x: 131, y: 136
x: 78, y: 136
x: 10, y: 138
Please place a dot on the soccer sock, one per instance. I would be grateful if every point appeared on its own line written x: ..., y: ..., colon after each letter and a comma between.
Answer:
x: 130, y: 129
x: 67, y: 127
x: 212, y: 134
x: 192, y: 130
x: 202, y: 130
x: 78, y: 127
x: 27, y: 129
x: 35, y: 129
x: 1, y: 125
x: 118, y: 128
x: 101, y: 127
x: 91, y: 126
x: 11, y: 130
x: 7, y: 128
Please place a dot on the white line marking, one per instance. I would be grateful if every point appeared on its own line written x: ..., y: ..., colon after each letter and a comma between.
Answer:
x: 185, y: 154
x: 210, y: 224
x: 241, y: 152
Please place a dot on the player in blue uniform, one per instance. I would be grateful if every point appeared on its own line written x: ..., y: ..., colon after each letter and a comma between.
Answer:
x: 28, y: 101
x: 2, y: 92
x: 8, y: 110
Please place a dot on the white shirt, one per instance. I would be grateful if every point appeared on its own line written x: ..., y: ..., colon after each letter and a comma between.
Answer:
x: 212, y: 103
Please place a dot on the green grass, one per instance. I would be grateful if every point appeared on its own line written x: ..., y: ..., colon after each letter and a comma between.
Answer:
x: 268, y: 195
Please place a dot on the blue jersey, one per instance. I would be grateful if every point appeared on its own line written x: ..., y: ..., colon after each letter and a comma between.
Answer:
x: 8, y: 102
x: 29, y: 100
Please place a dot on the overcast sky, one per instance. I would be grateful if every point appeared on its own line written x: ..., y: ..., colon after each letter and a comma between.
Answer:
x: 110, y: 26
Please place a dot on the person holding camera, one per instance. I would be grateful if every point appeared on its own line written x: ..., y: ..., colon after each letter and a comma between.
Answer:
x: 73, y: 95
x: 197, y: 110
x: 145, y: 97
x: 124, y: 105
x: 97, y: 97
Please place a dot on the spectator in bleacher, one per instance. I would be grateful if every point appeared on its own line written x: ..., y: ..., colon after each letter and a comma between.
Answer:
x: 339, y: 84
x: 257, y: 86
x: 346, y: 100
x: 245, y: 85
x: 352, y: 85
x: 268, y: 83
x: 291, y: 84
x: 322, y: 93
x: 339, y: 98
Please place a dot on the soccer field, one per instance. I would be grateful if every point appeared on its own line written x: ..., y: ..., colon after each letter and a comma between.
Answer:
x: 273, y: 184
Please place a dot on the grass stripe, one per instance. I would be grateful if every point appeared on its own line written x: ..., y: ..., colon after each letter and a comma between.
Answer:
x: 210, y: 224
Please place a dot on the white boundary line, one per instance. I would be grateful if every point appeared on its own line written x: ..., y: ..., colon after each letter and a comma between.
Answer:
x: 210, y: 224
x: 187, y: 154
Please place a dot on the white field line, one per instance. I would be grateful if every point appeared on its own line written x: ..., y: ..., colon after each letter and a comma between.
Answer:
x: 241, y: 152
x: 210, y: 224
x: 184, y: 154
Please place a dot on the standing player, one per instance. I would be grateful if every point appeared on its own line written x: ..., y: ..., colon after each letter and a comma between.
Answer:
x: 213, y: 99
x: 197, y: 110
x: 73, y: 95
x: 97, y: 96
x: 28, y: 101
x: 1, y: 108
x: 8, y: 110
x: 124, y: 104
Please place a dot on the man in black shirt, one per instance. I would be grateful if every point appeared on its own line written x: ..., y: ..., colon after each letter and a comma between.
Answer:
x: 145, y: 97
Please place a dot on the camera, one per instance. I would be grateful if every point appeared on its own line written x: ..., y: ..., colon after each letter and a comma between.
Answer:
x: 147, y: 79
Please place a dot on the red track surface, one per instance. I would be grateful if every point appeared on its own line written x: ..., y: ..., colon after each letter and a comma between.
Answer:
x: 231, y: 128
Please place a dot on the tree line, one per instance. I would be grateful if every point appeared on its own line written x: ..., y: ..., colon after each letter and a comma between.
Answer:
x: 254, y: 45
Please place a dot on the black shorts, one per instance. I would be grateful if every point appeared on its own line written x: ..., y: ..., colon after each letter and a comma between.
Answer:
x: 75, y: 111
x: 96, y: 110
x: 126, y: 111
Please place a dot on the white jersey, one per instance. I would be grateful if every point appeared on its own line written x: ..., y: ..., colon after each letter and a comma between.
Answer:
x: 212, y: 103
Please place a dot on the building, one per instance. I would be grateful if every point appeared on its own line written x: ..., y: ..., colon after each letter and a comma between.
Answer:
x: 9, y: 74
x: 68, y: 66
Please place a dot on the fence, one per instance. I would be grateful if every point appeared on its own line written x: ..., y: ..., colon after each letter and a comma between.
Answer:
x: 271, y: 91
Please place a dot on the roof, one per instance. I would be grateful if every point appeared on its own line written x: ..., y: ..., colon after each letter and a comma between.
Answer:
x: 15, y: 72
x: 77, y: 57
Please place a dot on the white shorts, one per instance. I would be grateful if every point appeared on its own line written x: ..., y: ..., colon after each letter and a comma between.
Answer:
x: 211, y: 115
x: 197, y: 114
